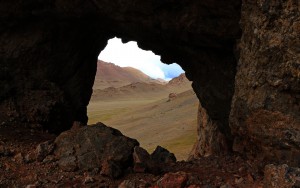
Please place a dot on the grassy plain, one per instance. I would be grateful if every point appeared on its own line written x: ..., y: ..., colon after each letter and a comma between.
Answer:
x: 152, y: 120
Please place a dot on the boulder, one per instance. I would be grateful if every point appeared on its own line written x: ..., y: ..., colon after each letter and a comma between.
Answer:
x: 95, y: 146
x: 141, y: 158
x: 143, y: 162
x: 172, y: 96
x: 43, y: 150
x: 162, y: 155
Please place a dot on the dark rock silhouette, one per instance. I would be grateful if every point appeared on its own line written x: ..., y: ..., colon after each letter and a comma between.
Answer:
x: 162, y: 155
x: 95, y: 147
x: 154, y: 163
x: 144, y: 163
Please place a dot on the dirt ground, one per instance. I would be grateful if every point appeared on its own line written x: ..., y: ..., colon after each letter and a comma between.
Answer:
x: 17, y: 169
x: 172, y: 125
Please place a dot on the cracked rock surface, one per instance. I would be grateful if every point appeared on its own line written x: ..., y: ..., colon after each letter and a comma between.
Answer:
x: 95, y: 147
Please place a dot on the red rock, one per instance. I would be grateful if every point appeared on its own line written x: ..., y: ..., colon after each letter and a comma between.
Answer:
x: 172, y: 96
x: 174, y: 180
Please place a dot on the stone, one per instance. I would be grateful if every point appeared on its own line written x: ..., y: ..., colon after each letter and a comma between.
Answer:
x: 281, y: 176
x: 172, y: 96
x: 140, y: 157
x: 43, y: 150
x: 127, y: 184
x: 88, y: 179
x: 176, y: 180
x: 239, y: 180
x: 19, y: 158
x: 111, y: 169
x: 30, y: 157
x: 68, y: 163
x: 162, y: 155
x: 210, y: 139
x: 134, y: 183
x: 250, y: 178
x: 95, y: 146
x: 143, y: 161
x: 49, y: 159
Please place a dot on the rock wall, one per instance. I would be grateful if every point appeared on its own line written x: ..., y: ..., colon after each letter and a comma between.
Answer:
x: 265, y: 115
x: 47, y: 65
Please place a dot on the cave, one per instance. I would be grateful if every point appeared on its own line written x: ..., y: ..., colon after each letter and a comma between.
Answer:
x: 245, y: 74
x: 144, y: 98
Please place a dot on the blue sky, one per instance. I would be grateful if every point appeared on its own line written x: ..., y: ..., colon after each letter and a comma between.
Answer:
x: 130, y: 55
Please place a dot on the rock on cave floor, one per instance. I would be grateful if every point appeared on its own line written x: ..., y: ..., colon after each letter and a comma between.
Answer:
x: 19, y: 169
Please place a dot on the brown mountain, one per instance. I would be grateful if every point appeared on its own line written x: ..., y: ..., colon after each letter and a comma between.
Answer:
x: 111, y: 75
x: 147, y: 89
x: 179, y: 80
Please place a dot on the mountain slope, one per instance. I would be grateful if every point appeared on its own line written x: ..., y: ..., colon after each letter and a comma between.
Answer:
x: 142, y: 90
x: 111, y: 75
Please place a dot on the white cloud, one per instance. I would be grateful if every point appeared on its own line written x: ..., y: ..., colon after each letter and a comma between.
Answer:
x: 129, y: 54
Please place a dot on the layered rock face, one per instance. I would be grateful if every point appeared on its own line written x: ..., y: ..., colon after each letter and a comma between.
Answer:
x: 265, y: 115
x: 49, y: 49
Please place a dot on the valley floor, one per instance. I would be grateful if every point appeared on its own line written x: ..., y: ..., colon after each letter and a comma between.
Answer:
x: 152, y: 120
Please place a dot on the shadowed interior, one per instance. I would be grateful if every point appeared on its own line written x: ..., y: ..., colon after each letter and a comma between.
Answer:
x: 52, y: 48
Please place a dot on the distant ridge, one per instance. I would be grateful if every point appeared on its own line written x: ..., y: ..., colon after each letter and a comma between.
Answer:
x: 179, y: 80
x: 111, y: 75
x: 144, y: 89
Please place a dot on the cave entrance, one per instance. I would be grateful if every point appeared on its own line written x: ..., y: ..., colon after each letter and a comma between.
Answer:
x: 145, y: 99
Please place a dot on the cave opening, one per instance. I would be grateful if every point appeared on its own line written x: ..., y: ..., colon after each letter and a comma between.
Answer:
x: 144, y: 98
